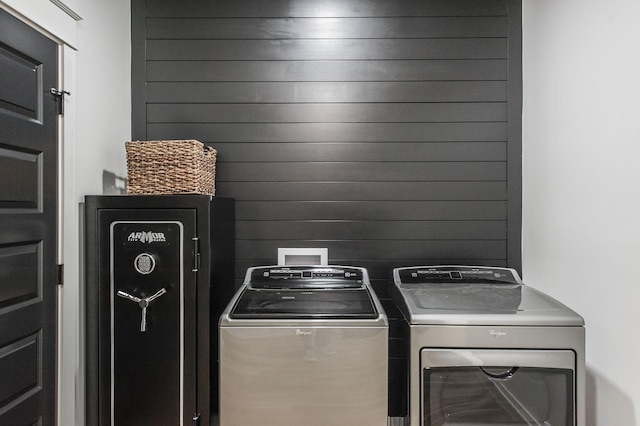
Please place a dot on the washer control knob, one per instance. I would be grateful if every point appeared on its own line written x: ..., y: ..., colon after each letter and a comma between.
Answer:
x: 144, y: 263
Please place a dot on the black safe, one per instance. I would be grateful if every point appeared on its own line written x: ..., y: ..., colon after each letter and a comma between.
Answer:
x: 159, y: 272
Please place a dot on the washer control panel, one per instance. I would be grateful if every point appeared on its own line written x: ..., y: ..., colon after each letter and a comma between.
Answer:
x: 305, y: 276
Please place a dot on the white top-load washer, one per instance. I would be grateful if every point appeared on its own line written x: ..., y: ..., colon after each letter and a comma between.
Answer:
x: 486, y: 349
x: 304, y: 346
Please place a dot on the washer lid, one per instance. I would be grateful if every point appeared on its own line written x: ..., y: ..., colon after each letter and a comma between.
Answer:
x: 353, y: 303
x: 463, y: 295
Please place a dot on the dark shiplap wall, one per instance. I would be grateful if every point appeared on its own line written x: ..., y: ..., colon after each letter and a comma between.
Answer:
x: 385, y: 130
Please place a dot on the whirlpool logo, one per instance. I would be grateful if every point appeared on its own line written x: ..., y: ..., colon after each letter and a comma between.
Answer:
x: 146, y: 237
x: 497, y: 333
x: 300, y: 332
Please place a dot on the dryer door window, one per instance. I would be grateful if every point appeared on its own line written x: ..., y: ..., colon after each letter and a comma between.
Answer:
x: 486, y: 387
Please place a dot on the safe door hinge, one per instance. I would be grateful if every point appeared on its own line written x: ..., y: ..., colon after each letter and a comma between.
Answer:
x: 196, y: 254
x: 59, y: 274
x: 59, y: 98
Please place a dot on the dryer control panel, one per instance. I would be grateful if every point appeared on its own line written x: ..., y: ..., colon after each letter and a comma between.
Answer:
x: 457, y: 274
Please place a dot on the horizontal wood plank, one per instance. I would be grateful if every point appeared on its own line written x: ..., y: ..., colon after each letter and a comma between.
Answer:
x: 328, y: 113
x: 385, y: 172
x: 372, y: 230
x: 229, y: 152
x: 384, y: 249
x: 325, y: 8
x: 325, y: 49
x: 330, y: 71
x: 371, y: 210
x: 331, y: 132
x: 363, y: 191
x: 328, y: 92
x: 326, y: 28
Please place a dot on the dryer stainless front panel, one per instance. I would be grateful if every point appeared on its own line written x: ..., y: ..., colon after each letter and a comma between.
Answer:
x: 497, y: 387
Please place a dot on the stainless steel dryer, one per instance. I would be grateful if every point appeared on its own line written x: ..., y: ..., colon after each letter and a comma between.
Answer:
x: 304, y: 346
x: 485, y: 349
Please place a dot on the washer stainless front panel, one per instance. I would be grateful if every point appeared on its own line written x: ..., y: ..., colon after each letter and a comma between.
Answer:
x: 473, y: 316
x: 285, y: 365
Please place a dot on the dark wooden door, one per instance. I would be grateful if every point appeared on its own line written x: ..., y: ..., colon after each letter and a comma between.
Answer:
x: 28, y: 197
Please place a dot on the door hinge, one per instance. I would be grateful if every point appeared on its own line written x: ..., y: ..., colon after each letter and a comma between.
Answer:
x: 196, y: 254
x: 59, y: 97
x: 59, y: 274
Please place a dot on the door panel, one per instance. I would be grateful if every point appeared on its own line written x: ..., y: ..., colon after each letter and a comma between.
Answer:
x: 28, y: 198
x: 22, y: 78
x: 20, y: 264
x: 20, y: 190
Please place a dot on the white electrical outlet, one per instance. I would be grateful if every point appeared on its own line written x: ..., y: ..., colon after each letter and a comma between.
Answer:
x: 303, y: 256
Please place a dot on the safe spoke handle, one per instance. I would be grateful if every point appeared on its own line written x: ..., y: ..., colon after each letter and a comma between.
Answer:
x: 156, y: 295
x: 129, y: 296
x: 143, y: 304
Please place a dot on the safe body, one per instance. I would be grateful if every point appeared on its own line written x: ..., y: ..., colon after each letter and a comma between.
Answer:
x: 159, y: 272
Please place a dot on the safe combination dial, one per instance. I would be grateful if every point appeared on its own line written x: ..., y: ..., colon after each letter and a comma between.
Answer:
x: 144, y: 263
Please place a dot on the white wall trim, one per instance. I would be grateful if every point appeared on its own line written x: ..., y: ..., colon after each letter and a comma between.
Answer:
x: 45, y: 17
x: 66, y: 9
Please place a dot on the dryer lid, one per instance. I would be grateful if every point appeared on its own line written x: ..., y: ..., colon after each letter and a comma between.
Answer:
x: 456, y: 295
x: 461, y: 288
x: 502, y: 298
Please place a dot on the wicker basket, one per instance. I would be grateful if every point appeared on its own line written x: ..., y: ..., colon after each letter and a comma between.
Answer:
x: 170, y: 167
